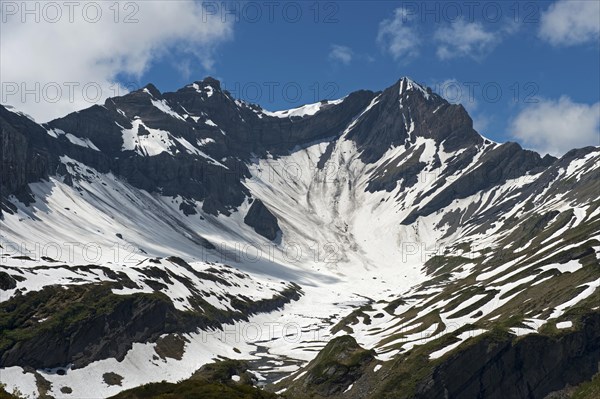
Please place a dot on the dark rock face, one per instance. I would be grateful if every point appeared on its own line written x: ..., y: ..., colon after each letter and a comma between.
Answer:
x: 262, y: 220
x: 403, y: 112
x: 24, y: 158
x: 7, y: 282
x: 245, y: 132
x: 30, y: 154
x: 530, y: 367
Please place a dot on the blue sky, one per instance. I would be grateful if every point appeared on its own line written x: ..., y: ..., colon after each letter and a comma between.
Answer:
x: 544, y: 57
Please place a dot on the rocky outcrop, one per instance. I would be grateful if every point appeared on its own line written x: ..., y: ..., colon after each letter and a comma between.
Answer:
x: 7, y: 281
x: 529, y: 367
x: 262, y: 220
x: 341, y: 363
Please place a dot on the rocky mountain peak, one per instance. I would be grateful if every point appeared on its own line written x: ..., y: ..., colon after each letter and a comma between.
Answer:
x: 210, y: 81
x: 152, y: 90
x: 206, y: 87
x: 407, y: 85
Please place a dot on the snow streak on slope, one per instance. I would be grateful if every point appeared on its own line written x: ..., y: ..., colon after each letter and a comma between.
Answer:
x: 153, y: 143
x: 305, y: 110
x: 73, y: 139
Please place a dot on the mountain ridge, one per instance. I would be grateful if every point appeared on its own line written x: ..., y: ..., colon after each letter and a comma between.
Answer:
x: 103, y: 126
x: 383, y: 215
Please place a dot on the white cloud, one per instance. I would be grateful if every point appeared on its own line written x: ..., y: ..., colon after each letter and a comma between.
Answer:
x: 571, y: 22
x: 52, y: 55
x: 460, y: 39
x: 398, y: 37
x: 341, y: 54
x: 557, y: 126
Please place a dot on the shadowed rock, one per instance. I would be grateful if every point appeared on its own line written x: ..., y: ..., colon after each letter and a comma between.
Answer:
x: 262, y: 220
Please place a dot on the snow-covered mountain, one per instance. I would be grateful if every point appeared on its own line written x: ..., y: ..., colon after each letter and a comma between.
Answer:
x: 159, y: 232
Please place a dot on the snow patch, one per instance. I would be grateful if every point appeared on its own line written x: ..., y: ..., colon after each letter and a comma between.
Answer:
x: 564, y: 324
